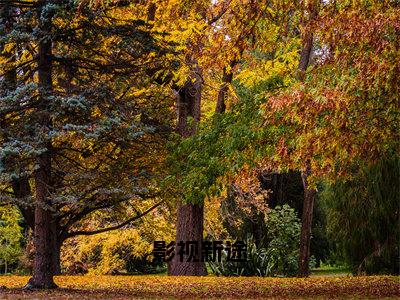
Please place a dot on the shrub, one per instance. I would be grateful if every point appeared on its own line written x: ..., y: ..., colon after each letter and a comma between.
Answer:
x: 279, y: 255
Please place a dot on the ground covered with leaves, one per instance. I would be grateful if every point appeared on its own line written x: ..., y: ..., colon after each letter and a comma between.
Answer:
x: 156, y: 287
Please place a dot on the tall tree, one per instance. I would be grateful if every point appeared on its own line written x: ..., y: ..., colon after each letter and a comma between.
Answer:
x: 309, y: 192
x: 83, y: 125
x: 213, y: 19
x: 190, y: 216
x: 45, y: 239
x: 335, y: 116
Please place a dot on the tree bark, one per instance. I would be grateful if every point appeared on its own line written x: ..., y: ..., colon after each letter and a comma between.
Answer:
x: 45, y: 232
x: 305, y: 54
x: 45, y: 229
x: 190, y: 217
x: 306, y: 224
x: 189, y: 227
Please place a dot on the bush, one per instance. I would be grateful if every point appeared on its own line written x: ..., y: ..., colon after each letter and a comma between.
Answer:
x: 277, y: 258
x: 258, y: 263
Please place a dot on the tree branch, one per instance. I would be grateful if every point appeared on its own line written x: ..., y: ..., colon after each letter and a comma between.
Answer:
x: 138, y: 216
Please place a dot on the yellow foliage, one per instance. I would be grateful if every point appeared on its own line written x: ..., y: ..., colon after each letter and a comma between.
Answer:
x: 108, y: 253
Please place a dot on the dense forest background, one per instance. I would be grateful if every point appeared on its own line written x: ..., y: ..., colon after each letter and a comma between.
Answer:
x: 271, y: 122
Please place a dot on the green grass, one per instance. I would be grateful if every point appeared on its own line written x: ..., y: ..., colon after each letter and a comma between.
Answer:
x: 327, y: 270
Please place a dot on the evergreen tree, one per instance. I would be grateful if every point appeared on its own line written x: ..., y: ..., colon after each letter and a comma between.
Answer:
x: 363, y: 217
x: 80, y: 127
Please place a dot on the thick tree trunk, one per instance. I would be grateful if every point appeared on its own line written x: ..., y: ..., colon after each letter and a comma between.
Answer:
x: 45, y: 232
x: 190, y: 217
x: 189, y: 227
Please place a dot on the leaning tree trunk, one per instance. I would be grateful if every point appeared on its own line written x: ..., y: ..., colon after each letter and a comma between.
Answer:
x: 190, y: 217
x: 45, y: 234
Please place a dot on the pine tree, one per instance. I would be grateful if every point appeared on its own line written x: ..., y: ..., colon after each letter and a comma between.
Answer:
x: 81, y: 131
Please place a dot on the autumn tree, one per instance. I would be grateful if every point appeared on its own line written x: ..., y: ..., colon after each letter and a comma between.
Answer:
x: 334, y: 118
x: 310, y: 11
x: 212, y: 36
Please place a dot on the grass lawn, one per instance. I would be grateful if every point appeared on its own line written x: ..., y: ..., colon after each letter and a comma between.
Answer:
x: 164, y: 287
x: 331, y: 271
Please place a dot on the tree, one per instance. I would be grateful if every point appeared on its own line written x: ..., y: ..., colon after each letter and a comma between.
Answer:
x: 82, y: 140
x: 189, y: 226
x: 228, y: 29
x: 362, y: 214
x: 204, y: 53
x: 325, y: 116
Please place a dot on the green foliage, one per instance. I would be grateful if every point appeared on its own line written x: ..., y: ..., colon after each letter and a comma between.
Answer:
x: 362, y: 214
x: 277, y: 257
x: 283, y: 236
x: 259, y: 263
x: 223, y: 144
x: 10, y: 237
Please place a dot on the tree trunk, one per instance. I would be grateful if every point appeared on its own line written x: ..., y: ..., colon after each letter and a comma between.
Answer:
x: 305, y: 54
x: 306, y: 224
x: 189, y: 227
x: 309, y: 194
x: 190, y: 217
x: 45, y: 232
